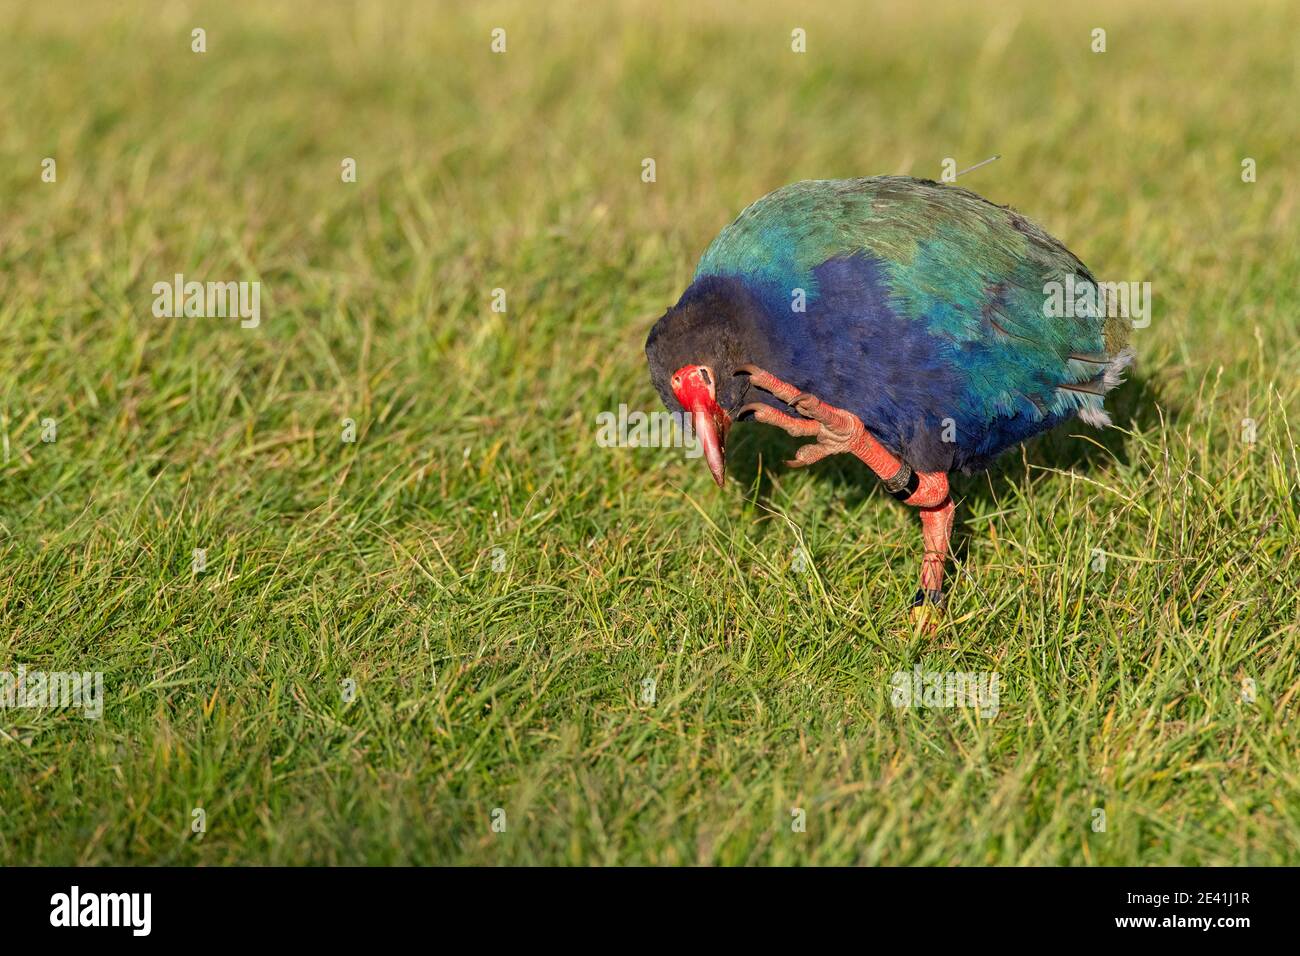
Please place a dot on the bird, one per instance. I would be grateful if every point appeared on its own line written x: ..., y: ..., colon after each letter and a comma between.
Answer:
x: 912, y: 324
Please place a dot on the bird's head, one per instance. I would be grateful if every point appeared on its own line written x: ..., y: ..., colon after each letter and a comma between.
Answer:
x: 693, y: 352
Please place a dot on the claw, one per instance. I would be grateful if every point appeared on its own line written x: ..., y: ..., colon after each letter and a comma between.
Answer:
x: 810, y: 454
x: 768, y: 382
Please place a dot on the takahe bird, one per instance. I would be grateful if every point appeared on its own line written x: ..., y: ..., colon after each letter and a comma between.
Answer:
x: 903, y: 320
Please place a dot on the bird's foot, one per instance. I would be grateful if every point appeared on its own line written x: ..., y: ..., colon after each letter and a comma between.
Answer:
x: 836, y: 430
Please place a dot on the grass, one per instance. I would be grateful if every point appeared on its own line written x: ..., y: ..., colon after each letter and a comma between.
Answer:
x: 521, y: 688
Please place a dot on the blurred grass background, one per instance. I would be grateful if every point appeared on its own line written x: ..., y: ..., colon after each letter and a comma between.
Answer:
x: 1122, y: 689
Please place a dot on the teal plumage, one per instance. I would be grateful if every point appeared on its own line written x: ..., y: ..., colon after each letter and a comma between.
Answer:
x: 923, y: 313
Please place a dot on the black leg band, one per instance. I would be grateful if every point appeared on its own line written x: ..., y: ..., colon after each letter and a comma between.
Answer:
x: 927, y: 596
x: 904, y: 483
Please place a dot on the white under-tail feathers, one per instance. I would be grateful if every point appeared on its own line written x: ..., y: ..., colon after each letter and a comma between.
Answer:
x: 1092, y: 411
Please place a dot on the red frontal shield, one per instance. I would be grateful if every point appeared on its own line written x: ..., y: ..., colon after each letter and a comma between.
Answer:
x: 694, y: 389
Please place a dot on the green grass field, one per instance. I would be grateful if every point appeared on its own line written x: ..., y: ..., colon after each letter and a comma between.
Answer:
x: 1159, y: 685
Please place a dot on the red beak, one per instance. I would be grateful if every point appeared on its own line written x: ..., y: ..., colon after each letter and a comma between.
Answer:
x: 694, y: 389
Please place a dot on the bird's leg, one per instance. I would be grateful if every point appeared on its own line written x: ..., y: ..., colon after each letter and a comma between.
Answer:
x: 936, y: 532
x: 839, y: 431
